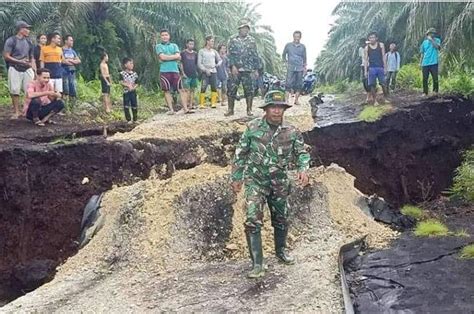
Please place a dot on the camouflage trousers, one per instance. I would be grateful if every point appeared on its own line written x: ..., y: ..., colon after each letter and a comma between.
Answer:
x: 273, y: 192
x: 247, y: 83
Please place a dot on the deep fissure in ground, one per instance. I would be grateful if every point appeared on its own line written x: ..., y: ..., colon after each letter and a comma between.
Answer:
x: 408, y: 156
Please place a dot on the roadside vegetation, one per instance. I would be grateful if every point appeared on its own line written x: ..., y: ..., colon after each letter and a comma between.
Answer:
x: 412, y: 211
x: 467, y: 252
x: 431, y: 228
x: 463, y: 183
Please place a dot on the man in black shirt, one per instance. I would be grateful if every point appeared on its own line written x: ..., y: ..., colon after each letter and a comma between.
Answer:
x: 375, y: 66
x: 188, y: 68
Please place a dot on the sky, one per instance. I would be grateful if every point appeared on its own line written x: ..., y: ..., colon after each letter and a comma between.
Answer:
x: 313, y: 20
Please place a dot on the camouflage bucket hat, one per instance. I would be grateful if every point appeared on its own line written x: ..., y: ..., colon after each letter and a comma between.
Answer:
x: 244, y: 23
x: 275, y: 97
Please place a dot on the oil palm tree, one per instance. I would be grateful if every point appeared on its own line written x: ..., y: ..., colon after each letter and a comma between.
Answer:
x: 403, y: 23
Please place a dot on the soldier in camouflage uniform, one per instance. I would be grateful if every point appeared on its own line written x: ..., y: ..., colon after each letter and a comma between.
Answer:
x: 244, y: 63
x: 261, y: 160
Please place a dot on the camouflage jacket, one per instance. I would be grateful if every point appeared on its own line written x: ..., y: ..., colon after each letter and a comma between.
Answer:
x: 262, y: 152
x: 242, y: 52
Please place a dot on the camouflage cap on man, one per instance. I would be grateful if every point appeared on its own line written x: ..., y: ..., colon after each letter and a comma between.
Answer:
x: 274, y: 97
x: 244, y: 23
x: 431, y: 30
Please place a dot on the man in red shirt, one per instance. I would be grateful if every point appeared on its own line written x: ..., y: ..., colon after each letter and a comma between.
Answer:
x: 42, y: 102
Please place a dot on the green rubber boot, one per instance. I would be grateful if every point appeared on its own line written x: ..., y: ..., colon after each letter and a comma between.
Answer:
x: 254, y: 241
x: 280, y: 246
x: 249, y: 101
x: 230, y: 105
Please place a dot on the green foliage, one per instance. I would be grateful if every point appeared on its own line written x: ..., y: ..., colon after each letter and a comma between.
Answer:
x: 467, y: 252
x: 401, y: 22
x: 461, y: 83
x: 64, y: 141
x: 462, y: 233
x: 340, y: 87
x: 431, y: 228
x: 412, y: 211
x: 410, y: 76
x: 131, y: 29
x: 374, y: 113
x: 4, y: 93
x: 463, y: 183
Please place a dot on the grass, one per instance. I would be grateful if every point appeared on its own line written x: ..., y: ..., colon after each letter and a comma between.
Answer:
x: 431, y: 228
x: 374, y: 113
x: 340, y: 87
x: 463, y: 183
x: 462, y: 233
x: 467, y: 252
x: 412, y: 211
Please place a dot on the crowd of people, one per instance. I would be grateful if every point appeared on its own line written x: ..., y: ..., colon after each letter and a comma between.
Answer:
x: 380, y: 66
x: 53, y: 61
x: 235, y: 63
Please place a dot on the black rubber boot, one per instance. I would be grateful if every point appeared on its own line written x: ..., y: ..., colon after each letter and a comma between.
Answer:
x: 127, y: 113
x: 254, y: 241
x: 134, y: 114
x: 249, y: 101
x: 230, y: 106
x: 385, y: 91
x: 280, y: 246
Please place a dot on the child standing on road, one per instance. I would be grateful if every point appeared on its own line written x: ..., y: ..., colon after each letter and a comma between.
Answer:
x: 129, y: 81
x: 105, y: 82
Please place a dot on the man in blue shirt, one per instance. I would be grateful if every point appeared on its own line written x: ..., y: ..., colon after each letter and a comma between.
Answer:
x: 170, y: 80
x: 294, y: 55
x: 429, y: 59
x: 70, y: 61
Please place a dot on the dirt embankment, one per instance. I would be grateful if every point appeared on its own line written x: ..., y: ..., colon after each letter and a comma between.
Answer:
x: 408, y: 156
x: 162, y: 231
x: 43, y: 197
x: 177, y: 244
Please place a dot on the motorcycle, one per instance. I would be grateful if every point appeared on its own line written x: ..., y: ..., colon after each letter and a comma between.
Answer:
x: 309, y: 82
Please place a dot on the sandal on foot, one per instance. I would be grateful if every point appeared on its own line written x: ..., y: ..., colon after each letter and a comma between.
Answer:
x: 40, y: 123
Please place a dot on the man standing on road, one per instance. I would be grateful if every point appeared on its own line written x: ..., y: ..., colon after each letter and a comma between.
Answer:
x: 70, y: 61
x: 170, y: 80
x: 188, y: 67
x: 18, y: 54
x: 375, y: 66
x: 51, y: 57
x: 429, y: 59
x: 294, y: 55
x: 261, y: 159
x: 244, y: 63
x: 208, y: 61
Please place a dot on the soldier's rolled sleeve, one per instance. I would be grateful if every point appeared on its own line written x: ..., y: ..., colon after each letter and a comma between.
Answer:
x: 240, y: 158
x: 302, y: 156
